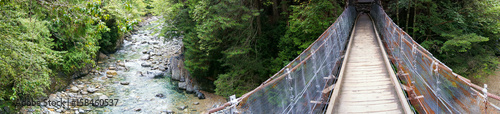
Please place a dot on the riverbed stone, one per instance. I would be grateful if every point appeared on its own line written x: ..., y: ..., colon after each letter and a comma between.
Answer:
x: 112, y: 68
x: 145, y: 57
x: 146, y: 64
x: 182, y: 107
x: 74, y: 89
x: 109, y: 76
x: 162, y: 68
x: 182, y: 85
x: 120, y: 64
x: 84, y: 93
x: 189, y: 89
x: 196, y: 103
x: 159, y: 75
x: 111, y: 72
x: 160, y: 95
x: 125, y: 83
x: 81, y: 86
x: 91, y: 90
x: 52, y: 97
x: 199, y: 94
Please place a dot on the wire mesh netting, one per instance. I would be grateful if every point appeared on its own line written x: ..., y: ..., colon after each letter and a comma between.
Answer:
x: 431, y: 85
x: 298, y: 87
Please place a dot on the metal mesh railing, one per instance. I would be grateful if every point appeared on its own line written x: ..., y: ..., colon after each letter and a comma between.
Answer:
x: 432, y: 87
x: 299, y: 86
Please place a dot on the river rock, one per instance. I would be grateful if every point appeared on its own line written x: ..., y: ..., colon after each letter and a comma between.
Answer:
x: 160, y: 95
x: 103, y: 97
x: 146, y: 64
x: 182, y: 107
x: 145, y: 57
x: 109, y: 76
x: 74, y: 89
x: 53, y: 97
x: 162, y: 68
x: 199, y: 94
x: 182, y: 85
x: 91, y: 90
x: 120, y: 64
x: 159, y: 75
x: 143, y: 42
x: 112, y: 68
x: 137, y: 109
x: 196, y: 103
x: 183, y: 79
x: 81, y: 110
x: 84, y: 92
x: 176, y: 73
x: 111, y: 72
x: 81, y: 86
x: 121, y: 68
x: 189, y: 89
x: 124, y: 83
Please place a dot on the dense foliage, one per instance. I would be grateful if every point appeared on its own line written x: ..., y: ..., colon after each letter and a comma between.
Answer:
x: 237, y: 44
x: 231, y: 46
x: 41, y: 39
x: 464, y: 34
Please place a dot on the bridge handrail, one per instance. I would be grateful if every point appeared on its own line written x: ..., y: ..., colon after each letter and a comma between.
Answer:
x: 429, y: 82
x: 306, y: 72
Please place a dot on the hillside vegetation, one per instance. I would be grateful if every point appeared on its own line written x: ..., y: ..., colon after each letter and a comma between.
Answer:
x: 234, y: 45
x: 41, y: 39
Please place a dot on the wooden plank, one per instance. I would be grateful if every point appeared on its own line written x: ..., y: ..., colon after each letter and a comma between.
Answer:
x: 365, y: 83
x: 370, y: 108
x: 402, y: 99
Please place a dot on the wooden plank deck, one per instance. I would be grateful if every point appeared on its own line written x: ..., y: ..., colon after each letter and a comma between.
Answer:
x: 365, y: 84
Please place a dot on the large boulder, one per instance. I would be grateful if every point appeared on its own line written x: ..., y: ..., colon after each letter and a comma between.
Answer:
x: 189, y: 89
x: 174, y: 66
x: 182, y: 85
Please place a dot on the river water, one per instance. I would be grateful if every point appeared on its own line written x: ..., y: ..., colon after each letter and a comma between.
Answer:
x: 144, y: 93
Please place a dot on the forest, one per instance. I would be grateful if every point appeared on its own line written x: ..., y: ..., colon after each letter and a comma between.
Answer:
x: 44, y: 42
x: 237, y: 44
x: 230, y: 46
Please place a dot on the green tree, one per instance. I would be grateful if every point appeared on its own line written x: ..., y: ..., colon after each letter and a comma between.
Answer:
x: 463, y: 34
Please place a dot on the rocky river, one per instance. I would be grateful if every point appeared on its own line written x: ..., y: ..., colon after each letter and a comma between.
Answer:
x: 144, y: 76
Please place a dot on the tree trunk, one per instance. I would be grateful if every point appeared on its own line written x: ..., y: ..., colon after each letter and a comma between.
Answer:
x: 276, y: 14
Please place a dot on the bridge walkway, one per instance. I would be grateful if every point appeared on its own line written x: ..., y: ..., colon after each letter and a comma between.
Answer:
x: 365, y: 84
